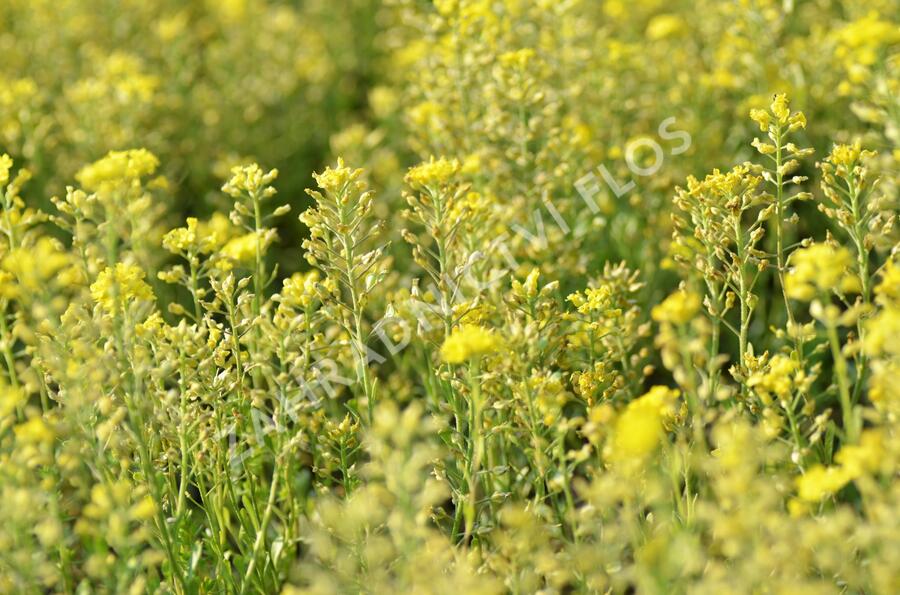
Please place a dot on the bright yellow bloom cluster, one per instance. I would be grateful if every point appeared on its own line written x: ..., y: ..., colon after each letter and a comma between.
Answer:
x: 119, y: 285
x: 190, y: 238
x: 334, y: 180
x: 242, y: 248
x: 118, y: 168
x: 468, y: 342
x: 6, y: 164
x: 595, y: 300
x: 251, y: 180
x: 854, y: 460
x: 820, y: 268
x: 778, y: 379
x: 679, y: 308
x: 432, y: 173
x: 779, y: 114
x: 639, y: 429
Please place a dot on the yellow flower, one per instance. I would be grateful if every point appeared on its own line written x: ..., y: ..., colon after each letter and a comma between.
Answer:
x: 820, y: 268
x: 188, y: 238
x: 778, y: 379
x: 34, y: 431
x: 595, y: 300
x: 299, y: 290
x: 335, y: 180
x: 663, y: 26
x: 241, y: 248
x: 865, y: 457
x: 781, y: 108
x: 846, y: 155
x: 679, y: 308
x: 639, y: 428
x: 6, y: 164
x: 250, y: 179
x: 819, y: 482
x: 467, y: 342
x: 432, y: 173
x: 117, y: 168
x: 761, y: 117
x: 115, y: 286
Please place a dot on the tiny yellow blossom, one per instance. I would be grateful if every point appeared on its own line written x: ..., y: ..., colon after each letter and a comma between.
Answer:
x: 189, y: 238
x: 299, y: 290
x: 781, y: 108
x: 777, y: 380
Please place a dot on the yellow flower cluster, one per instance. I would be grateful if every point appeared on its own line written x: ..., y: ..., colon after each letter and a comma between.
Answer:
x: 639, y: 428
x: 820, y: 268
x: 570, y: 324
x: 190, y: 238
x: 250, y: 179
x: 854, y: 460
x: 469, y: 342
x: 778, y: 379
x: 6, y: 164
x: 117, y: 169
x: 335, y: 180
x: 779, y: 115
x: 432, y: 173
x: 120, y: 285
x: 679, y: 308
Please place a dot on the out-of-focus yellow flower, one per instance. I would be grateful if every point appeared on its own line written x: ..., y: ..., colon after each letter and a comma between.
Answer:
x: 664, y: 25
x: 862, y: 458
x: 119, y: 285
x: 639, y: 428
x: 778, y: 379
x: 467, y: 342
x: 6, y: 164
x: 820, y: 481
x: 241, y: 248
x: 34, y: 431
x: 679, y: 308
x: 118, y: 167
x: 10, y: 399
x: 820, y: 268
